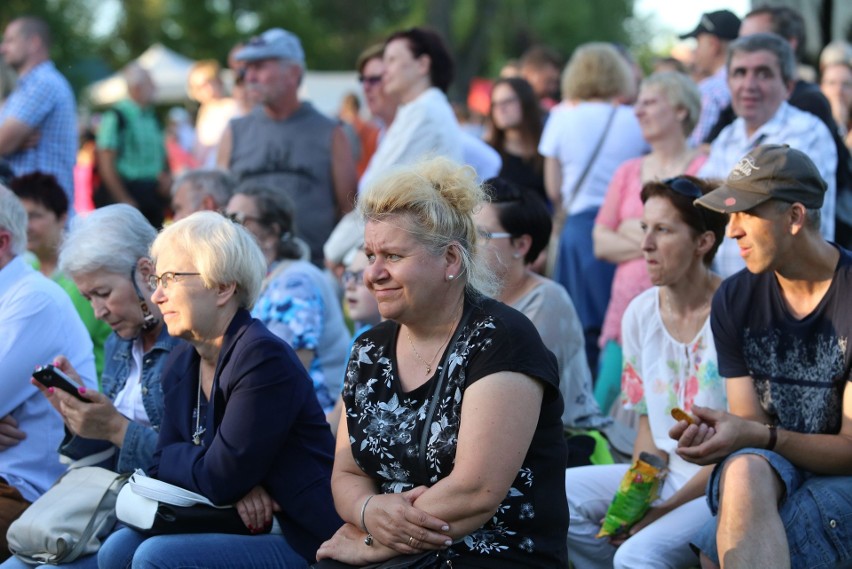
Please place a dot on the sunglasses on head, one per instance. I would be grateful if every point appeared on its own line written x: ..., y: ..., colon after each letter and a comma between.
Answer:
x: 684, y: 187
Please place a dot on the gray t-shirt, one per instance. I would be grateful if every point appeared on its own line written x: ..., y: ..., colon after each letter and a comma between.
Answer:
x: 292, y: 155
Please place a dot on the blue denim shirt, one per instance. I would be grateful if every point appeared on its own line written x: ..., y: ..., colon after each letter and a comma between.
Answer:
x: 139, y: 441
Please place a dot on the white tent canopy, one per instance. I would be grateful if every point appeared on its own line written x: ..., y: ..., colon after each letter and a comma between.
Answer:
x: 169, y: 71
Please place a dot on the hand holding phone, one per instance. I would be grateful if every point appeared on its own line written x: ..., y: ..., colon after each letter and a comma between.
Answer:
x: 51, y: 376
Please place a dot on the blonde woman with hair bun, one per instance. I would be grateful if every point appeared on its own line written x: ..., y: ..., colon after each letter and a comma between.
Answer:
x: 432, y: 391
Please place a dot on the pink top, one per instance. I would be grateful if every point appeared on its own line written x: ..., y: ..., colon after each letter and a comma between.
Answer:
x: 622, y: 202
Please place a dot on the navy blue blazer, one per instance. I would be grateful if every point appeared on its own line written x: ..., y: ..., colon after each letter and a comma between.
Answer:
x: 264, y: 427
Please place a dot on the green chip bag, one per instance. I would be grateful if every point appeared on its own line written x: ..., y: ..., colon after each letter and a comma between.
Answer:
x: 637, y: 491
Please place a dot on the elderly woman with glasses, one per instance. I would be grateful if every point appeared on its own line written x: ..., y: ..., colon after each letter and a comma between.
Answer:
x: 241, y: 424
x: 297, y: 301
x: 669, y: 362
x: 106, y: 255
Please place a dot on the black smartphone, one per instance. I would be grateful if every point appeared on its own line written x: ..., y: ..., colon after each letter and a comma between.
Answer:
x: 50, y: 376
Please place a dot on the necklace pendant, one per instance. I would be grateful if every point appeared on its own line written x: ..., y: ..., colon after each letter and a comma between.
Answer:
x: 428, y: 369
x: 196, y: 436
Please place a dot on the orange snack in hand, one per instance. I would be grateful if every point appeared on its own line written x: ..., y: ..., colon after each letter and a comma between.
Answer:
x: 680, y: 415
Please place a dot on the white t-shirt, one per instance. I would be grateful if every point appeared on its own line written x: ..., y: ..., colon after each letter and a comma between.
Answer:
x: 661, y: 373
x: 128, y: 401
x: 571, y: 135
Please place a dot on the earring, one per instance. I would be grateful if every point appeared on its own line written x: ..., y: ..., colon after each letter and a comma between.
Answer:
x: 516, y: 255
x: 450, y: 277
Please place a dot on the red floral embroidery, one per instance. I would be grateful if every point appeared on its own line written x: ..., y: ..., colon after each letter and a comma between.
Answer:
x: 631, y: 384
x: 690, y: 392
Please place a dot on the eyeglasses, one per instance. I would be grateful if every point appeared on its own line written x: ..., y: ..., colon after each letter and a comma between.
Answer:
x: 239, y: 217
x: 504, y: 102
x: 370, y: 80
x: 166, y: 279
x: 684, y: 187
x: 489, y: 235
x: 352, y: 277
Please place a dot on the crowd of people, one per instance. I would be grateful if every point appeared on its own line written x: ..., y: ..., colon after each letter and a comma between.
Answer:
x: 388, y: 341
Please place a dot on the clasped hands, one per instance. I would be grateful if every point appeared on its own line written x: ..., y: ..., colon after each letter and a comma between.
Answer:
x: 397, y: 528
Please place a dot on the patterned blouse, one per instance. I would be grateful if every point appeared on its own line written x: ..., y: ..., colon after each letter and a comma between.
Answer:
x: 388, y: 428
x: 661, y: 373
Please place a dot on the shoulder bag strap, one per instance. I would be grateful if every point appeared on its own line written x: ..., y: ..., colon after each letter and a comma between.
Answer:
x: 430, y: 413
x: 566, y: 206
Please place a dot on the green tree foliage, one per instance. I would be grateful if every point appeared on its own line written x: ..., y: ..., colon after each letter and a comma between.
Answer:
x: 482, y: 34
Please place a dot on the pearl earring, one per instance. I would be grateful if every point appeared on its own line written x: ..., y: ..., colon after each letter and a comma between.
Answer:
x: 450, y: 277
x: 516, y: 255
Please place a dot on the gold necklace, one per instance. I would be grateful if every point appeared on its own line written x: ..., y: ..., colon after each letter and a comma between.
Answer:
x: 420, y: 358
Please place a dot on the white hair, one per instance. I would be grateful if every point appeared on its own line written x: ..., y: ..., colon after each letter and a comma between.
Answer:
x: 13, y: 218
x: 223, y: 252
x: 111, y: 238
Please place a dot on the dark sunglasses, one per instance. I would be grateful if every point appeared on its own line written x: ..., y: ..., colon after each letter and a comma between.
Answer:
x: 687, y: 189
x: 684, y: 187
x: 370, y: 80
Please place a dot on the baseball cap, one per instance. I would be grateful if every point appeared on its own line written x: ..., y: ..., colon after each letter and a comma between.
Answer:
x: 770, y: 171
x: 274, y: 43
x: 722, y: 23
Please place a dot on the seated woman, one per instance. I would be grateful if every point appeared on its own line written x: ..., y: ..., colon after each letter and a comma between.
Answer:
x: 241, y: 423
x: 668, y: 108
x: 669, y: 361
x: 452, y: 444
x: 106, y: 255
x: 515, y: 227
x: 297, y: 301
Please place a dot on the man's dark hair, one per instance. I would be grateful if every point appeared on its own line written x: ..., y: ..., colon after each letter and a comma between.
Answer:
x: 787, y: 22
x: 423, y: 41
x: 43, y: 189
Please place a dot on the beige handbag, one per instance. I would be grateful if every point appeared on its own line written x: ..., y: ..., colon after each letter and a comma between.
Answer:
x: 70, y: 519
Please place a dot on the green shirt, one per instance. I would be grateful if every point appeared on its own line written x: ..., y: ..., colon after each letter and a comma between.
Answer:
x: 98, y: 329
x: 138, y: 143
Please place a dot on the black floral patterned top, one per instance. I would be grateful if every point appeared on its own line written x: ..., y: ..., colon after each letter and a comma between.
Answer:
x: 387, y: 426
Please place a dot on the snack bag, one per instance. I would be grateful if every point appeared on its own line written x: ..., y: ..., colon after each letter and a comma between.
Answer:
x: 637, y: 491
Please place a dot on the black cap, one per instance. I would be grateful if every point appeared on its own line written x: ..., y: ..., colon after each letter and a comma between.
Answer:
x: 723, y: 24
x: 771, y: 171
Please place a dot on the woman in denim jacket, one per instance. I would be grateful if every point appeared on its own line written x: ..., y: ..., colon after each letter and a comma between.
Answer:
x: 106, y: 254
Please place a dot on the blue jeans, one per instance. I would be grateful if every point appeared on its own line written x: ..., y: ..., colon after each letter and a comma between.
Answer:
x: 816, y: 512
x: 127, y: 548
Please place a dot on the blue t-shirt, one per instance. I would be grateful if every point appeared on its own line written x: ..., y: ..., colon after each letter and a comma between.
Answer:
x: 800, y: 367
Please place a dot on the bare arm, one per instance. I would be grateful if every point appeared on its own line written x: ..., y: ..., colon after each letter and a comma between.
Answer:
x: 223, y: 153
x: 553, y: 182
x: 344, y: 176
x: 110, y: 178
x: 498, y: 412
x: 744, y: 427
x: 614, y: 246
x: 14, y: 135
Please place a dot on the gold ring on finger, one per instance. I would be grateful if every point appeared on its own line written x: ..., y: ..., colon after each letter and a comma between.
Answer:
x: 410, y: 541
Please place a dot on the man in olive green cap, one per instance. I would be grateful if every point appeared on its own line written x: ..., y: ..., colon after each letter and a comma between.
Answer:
x: 783, y: 481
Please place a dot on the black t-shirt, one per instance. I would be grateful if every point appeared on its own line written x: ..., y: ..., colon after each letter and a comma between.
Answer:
x: 799, y: 367
x: 386, y: 426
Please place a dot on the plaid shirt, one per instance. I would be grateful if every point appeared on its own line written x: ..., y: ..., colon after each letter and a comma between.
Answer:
x: 43, y: 100
x: 715, y: 96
